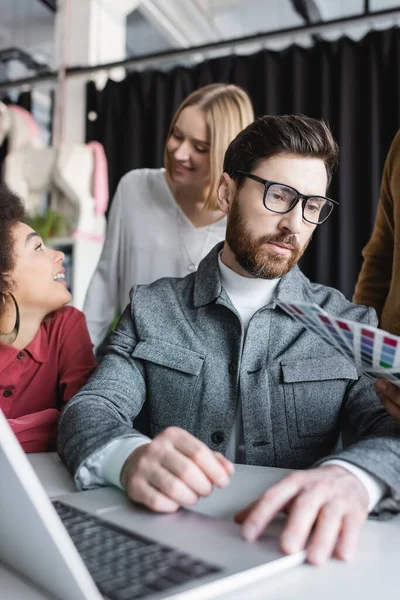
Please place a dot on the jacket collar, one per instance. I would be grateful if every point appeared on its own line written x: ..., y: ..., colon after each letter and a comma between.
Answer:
x: 291, y: 287
x: 208, y: 288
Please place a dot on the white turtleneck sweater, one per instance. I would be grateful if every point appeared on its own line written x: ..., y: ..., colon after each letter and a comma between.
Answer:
x: 248, y: 295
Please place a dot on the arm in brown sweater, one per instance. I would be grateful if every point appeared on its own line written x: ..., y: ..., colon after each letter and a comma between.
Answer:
x: 376, y: 273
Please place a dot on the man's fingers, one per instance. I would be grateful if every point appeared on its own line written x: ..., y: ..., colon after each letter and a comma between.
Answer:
x: 186, y: 470
x: 242, y: 514
x: 172, y: 487
x: 174, y: 470
x: 228, y: 466
x: 389, y: 396
x: 203, y: 457
x: 349, y: 536
x: 325, y: 535
x: 327, y: 503
x: 391, y: 407
x: 270, y: 503
x: 385, y: 388
x: 143, y: 493
x: 302, y: 516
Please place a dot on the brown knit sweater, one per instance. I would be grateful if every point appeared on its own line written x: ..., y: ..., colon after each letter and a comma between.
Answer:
x: 378, y: 284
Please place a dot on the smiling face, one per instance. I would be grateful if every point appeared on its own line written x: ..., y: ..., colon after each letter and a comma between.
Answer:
x: 261, y: 243
x: 188, y: 148
x: 38, y: 275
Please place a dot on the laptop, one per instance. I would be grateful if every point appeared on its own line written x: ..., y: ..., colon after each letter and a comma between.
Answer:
x: 98, y: 544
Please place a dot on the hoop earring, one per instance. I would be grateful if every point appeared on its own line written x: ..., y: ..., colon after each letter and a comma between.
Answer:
x: 9, y: 338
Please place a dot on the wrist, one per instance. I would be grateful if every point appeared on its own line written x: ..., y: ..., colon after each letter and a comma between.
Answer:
x: 131, y: 463
x: 357, y: 483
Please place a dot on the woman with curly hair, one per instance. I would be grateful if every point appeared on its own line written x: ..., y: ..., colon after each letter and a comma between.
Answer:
x: 45, y: 350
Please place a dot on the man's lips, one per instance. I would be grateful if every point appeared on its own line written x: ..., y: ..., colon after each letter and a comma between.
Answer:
x: 280, y: 247
x: 288, y: 246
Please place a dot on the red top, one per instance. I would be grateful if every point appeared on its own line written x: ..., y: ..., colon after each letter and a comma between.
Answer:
x: 36, y: 382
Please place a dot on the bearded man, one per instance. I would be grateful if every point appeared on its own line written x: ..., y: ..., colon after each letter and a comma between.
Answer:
x: 227, y: 376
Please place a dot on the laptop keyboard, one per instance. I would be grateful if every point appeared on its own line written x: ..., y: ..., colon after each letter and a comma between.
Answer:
x: 124, y: 565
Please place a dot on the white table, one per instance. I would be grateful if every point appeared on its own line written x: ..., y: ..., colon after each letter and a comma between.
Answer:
x: 374, y: 572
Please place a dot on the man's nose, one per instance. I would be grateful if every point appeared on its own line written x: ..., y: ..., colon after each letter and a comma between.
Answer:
x: 293, y: 220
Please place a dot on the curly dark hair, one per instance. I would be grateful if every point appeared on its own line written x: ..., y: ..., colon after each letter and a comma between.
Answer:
x: 12, y: 211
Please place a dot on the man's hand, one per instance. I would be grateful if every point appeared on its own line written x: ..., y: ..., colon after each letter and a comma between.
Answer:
x: 389, y: 396
x: 174, y: 470
x: 329, y: 503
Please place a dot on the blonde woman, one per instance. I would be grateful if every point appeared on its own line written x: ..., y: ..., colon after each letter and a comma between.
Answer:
x: 164, y: 221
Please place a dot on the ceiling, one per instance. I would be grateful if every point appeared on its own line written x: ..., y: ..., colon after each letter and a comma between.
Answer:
x: 161, y: 25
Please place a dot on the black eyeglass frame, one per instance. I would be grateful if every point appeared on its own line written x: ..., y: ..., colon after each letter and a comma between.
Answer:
x: 304, y: 199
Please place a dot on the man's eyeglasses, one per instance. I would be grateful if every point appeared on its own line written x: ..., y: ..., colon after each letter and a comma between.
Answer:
x: 281, y: 198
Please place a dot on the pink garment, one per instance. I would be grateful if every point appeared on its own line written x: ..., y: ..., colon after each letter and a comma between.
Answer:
x: 100, y: 178
x: 85, y: 235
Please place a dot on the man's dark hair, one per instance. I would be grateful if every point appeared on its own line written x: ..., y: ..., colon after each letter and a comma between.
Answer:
x: 271, y: 135
x: 12, y: 211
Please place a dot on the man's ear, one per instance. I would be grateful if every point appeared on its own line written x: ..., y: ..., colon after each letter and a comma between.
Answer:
x: 225, y: 192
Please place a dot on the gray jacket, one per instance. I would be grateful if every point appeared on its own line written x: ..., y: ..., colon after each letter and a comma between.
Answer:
x: 180, y: 348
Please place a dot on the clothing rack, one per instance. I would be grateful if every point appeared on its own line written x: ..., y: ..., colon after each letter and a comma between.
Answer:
x: 368, y: 16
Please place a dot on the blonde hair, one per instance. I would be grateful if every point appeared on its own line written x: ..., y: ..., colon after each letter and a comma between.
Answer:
x: 228, y: 110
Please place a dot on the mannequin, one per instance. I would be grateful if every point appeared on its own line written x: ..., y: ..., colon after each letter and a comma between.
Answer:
x: 77, y: 176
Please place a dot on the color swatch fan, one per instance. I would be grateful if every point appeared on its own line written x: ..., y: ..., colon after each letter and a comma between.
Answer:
x: 375, y: 352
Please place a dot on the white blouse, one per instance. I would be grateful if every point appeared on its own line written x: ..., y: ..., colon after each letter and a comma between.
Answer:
x: 148, y: 237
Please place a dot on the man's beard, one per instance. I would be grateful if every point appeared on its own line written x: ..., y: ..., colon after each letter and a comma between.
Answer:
x: 252, y: 253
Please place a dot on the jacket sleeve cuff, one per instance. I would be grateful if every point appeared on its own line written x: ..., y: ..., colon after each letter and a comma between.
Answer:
x: 104, y: 466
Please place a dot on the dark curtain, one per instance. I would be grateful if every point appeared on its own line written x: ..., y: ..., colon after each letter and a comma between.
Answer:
x: 25, y: 101
x: 355, y: 86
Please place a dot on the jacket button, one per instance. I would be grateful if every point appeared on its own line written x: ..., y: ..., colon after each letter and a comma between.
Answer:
x: 217, y: 437
x: 20, y: 355
x: 7, y: 393
x: 232, y: 367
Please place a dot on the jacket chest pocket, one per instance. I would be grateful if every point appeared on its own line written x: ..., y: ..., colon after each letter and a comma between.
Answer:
x: 172, y: 377
x: 314, y: 391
